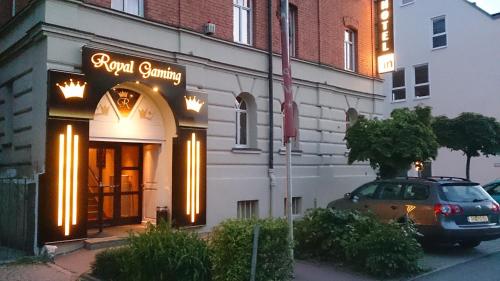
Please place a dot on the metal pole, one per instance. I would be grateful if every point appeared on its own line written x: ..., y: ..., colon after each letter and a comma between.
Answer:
x: 256, y: 230
x: 289, y: 192
x: 288, y: 122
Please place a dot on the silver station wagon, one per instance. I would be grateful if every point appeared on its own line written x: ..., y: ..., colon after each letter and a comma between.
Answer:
x: 444, y: 209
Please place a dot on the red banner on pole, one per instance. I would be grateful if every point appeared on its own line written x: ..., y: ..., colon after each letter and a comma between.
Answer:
x: 287, y: 107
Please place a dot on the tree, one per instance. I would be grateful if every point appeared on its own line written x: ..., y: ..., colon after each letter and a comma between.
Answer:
x: 471, y: 133
x: 393, y: 144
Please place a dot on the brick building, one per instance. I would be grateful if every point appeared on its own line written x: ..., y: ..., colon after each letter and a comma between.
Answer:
x: 168, y: 105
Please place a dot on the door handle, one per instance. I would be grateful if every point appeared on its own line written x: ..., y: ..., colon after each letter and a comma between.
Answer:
x: 394, y: 207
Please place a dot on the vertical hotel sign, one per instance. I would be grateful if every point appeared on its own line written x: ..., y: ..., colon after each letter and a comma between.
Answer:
x: 385, y: 30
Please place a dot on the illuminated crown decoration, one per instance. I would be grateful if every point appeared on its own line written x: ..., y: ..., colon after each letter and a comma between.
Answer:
x: 123, y: 94
x: 72, y: 90
x: 194, y: 104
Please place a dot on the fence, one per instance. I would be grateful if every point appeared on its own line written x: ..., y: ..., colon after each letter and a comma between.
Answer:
x: 17, y: 217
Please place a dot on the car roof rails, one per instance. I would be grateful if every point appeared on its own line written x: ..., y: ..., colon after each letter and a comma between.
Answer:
x: 437, y: 178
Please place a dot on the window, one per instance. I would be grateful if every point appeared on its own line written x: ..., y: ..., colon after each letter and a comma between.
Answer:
x: 407, y: 2
x: 439, y: 33
x: 351, y: 117
x: 422, y: 81
x: 13, y: 10
x: 495, y: 190
x: 296, y: 205
x: 241, y: 122
x: 242, y: 21
x: 349, y: 50
x: 416, y: 192
x: 292, y: 29
x: 366, y: 191
x: 390, y: 191
x: 134, y: 7
x: 398, y: 85
x: 248, y: 209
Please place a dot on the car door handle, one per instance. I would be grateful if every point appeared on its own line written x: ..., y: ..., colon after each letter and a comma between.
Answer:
x: 394, y: 207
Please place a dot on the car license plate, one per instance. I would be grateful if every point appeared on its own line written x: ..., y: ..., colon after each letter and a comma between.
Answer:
x: 477, y: 218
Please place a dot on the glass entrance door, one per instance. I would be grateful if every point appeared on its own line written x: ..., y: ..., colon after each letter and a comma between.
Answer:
x: 115, y: 181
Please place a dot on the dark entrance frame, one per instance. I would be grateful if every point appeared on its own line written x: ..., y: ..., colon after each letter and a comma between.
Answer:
x: 117, y: 192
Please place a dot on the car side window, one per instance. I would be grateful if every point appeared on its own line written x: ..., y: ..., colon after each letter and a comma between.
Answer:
x: 416, y: 191
x: 390, y: 191
x: 367, y: 191
x: 495, y: 190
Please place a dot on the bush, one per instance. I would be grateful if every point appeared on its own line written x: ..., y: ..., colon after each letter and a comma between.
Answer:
x: 231, y: 247
x: 158, y: 254
x: 385, y: 250
x: 108, y: 262
x: 359, y: 239
x: 324, y: 234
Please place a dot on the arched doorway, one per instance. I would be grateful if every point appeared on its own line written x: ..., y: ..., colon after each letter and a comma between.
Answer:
x: 130, y: 156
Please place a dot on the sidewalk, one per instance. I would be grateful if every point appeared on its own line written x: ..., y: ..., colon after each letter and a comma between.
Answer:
x: 65, y: 268
x: 311, y: 271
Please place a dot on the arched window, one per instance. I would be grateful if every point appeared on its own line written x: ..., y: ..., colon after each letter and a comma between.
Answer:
x: 241, y: 122
x: 351, y: 116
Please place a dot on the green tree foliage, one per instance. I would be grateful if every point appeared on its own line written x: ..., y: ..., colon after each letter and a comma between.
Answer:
x: 471, y: 133
x: 393, y: 144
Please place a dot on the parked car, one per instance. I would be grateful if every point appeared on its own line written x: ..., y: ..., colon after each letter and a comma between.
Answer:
x: 444, y: 209
x: 493, y: 188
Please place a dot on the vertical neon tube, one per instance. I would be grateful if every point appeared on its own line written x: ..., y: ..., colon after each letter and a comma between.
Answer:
x: 75, y: 180
x: 197, y: 177
x: 193, y: 172
x: 188, y: 179
x: 67, y: 192
x: 60, y: 184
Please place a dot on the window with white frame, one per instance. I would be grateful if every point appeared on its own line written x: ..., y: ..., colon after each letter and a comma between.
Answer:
x: 292, y: 29
x: 398, y: 85
x: 242, y: 21
x: 439, y: 38
x: 248, y: 209
x: 350, y: 50
x: 134, y: 7
x: 422, y: 86
x: 296, y: 205
x: 241, y: 122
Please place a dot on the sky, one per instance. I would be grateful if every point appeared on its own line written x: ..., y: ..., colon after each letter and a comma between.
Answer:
x: 491, y: 6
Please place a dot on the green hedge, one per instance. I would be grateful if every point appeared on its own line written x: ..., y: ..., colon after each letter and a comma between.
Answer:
x: 231, y: 246
x: 108, y: 263
x: 358, y: 239
x: 158, y: 254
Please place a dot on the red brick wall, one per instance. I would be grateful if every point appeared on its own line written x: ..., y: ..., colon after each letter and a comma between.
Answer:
x: 320, y: 24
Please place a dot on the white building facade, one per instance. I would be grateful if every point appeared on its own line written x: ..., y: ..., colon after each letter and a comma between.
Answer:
x: 448, y: 58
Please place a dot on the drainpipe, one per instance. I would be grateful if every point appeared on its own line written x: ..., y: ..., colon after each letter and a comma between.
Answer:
x: 272, y: 178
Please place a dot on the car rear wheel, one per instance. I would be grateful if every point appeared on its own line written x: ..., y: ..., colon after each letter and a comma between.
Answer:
x: 469, y: 244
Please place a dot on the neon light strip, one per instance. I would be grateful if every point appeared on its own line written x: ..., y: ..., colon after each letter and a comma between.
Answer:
x: 193, y: 173
x: 67, y: 194
x: 188, y: 185
x: 60, y: 184
x: 198, y: 177
x: 75, y: 179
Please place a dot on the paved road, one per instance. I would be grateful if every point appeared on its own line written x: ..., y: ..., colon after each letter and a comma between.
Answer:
x: 485, y: 269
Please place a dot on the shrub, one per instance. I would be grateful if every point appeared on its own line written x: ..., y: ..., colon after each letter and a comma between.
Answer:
x: 380, y: 249
x: 325, y: 233
x: 385, y: 250
x: 107, y: 264
x: 158, y: 254
x: 231, y: 247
